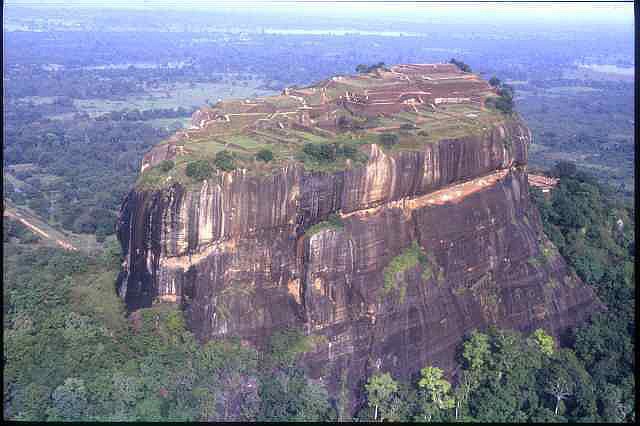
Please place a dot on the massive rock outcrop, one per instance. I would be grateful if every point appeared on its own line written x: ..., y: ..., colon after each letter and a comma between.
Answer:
x: 423, y: 246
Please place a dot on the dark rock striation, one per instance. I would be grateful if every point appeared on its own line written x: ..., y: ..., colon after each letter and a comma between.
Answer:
x: 237, y: 256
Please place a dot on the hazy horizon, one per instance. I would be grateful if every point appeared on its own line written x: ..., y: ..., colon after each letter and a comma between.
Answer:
x: 618, y: 12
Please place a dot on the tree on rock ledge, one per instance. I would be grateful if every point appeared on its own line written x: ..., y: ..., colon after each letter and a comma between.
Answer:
x: 198, y: 170
x: 364, y: 69
x: 463, y: 67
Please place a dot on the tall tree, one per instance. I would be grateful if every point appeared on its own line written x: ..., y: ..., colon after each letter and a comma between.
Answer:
x: 560, y: 388
x: 380, y: 391
x: 437, y: 395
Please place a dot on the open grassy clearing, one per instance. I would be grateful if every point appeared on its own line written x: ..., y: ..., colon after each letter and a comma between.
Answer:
x: 168, y: 123
x: 286, y: 144
x: 269, y: 132
x: 284, y: 102
x: 563, y: 90
x: 204, y: 147
x: 309, y: 137
x: 174, y: 96
x: 365, y: 82
x: 245, y: 142
x: 39, y: 100
x: 277, y: 138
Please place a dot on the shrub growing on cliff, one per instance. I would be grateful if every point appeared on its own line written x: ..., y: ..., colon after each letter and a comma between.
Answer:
x: 502, y: 104
x: 320, y: 152
x: 463, y: 67
x: 363, y: 68
x: 150, y: 178
x: 343, y: 123
x: 166, y: 165
x: 406, y: 260
x: 333, y: 221
x: 198, y: 170
x: 494, y: 81
x: 504, y: 101
x: 264, y: 155
x: 285, y: 346
x: 544, y: 341
x: 346, y: 151
x: 225, y: 161
x: 328, y: 152
x: 388, y: 139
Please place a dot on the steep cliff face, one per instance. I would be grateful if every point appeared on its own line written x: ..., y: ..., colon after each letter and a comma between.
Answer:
x: 175, y: 229
x: 430, y: 244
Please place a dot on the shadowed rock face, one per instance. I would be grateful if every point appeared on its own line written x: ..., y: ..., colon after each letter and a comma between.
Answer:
x: 235, y: 256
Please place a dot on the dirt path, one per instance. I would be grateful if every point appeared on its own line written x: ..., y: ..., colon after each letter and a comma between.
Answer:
x: 58, y: 239
x: 384, y: 129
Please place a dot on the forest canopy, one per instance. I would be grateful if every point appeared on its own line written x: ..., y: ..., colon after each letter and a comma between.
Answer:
x: 71, y: 353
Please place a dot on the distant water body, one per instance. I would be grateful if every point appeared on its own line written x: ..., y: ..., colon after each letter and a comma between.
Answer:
x: 609, y: 69
x: 340, y: 32
x: 141, y: 65
x: 144, y: 65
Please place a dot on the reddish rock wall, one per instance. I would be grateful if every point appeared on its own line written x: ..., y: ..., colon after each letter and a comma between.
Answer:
x: 235, y: 256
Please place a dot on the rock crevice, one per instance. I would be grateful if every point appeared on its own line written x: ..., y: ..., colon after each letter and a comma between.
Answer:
x: 235, y: 254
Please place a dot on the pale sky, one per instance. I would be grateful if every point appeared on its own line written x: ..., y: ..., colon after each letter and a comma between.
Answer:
x: 577, y: 11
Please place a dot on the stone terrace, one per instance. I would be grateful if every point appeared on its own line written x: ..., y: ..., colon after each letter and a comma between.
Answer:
x: 427, y: 101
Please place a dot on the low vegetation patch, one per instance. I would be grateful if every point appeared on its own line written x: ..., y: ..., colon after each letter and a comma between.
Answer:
x: 330, y: 156
x: 151, y: 179
x: 352, y: 123
x: 225, y: 161
x: 409, y: 258
x: 264, y: 155
x: 329, y: 151
x: 504, y: 101
x: 552, y: 283
x: 388, y: 140
x: 547, y: 252
x: 500, y: 103
x: 333, y: 222
x: 198, y: 170
x: 364, y: 69
x: 166, y: 166
x: 463, y: 67
x: 285, y: 346
x: 537, y: 261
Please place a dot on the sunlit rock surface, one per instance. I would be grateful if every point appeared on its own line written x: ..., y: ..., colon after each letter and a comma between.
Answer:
x: 234, y: 255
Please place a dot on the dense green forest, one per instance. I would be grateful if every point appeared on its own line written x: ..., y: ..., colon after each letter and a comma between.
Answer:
x: 81, y: 107
x: 87, y: 94
x: 53, y: 73
x: 73, y: 173
x: 70, y: 352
